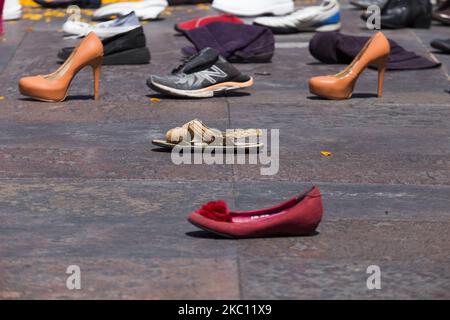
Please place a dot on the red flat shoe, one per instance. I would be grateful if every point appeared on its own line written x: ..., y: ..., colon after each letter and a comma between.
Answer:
x: 195, y: 23
x: 295, y: 217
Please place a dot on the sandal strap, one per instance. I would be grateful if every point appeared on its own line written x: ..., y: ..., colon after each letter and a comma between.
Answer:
x: 197, y: 132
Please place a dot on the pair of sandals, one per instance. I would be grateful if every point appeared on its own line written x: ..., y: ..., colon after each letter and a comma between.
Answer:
x: 196, y: 135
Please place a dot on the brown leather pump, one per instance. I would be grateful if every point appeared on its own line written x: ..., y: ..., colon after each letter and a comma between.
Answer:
x: 340, y: 86
x: 54, y: 87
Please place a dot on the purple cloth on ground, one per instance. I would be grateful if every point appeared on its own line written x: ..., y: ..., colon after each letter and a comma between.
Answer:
x: 235, y: 42
x: 335, y: 47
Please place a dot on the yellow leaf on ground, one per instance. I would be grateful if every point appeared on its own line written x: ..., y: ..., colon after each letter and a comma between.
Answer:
x: 2, y: 98
x: 32, y: 16
x: 29, y: 29
x: 202, y: 6
x: 155, y: 100
x: 326, y: 153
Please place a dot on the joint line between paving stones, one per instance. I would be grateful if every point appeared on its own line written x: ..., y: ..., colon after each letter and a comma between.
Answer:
x: 80, y: 179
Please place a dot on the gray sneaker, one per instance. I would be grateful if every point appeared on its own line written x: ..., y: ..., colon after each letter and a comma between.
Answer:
x: 201, y: 76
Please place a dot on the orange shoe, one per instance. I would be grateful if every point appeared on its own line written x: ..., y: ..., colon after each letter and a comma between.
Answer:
x: 54, y: 87
x: 340, y: 86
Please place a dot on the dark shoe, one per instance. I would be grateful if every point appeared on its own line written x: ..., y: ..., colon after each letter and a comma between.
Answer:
x: 201, y: 76
x: 398, y: 14
x: 299, y: 216
x: 364, y: 4
x: 441, y: 44
x: 442, y: 14
x: 125, y: 48
x: 87, y: 4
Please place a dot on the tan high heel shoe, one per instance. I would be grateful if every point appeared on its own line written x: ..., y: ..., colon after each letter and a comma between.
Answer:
x: 340, y: 86
x: 54, y: 87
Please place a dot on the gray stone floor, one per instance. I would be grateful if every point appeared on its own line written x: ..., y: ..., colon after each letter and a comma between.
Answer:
x: 81, y: 183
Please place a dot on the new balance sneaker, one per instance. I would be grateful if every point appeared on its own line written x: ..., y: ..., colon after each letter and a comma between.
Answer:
x: 249, y: 8
x: 325, y: 17
x: 201, y: 76
x: 12, y: 10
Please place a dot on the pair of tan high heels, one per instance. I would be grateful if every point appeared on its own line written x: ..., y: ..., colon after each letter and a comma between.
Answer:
x: 340, y: 86
x: 54, y: 87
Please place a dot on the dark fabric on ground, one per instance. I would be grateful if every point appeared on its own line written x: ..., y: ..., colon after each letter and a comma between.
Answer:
x: 335, y: 47
x: 236, y: 42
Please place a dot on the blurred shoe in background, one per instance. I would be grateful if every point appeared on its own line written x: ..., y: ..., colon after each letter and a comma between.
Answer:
x: 442, y: 14
x: 326, y: 17
x: 104, y: 29
x: 1, y: 16
x: 249, y: 8
x: 145, y: 10
x: 12, y: 10
x: 200, y: 22
x: 398, y: 14
x: 441, y: 45
x: 125, y: 48
x: 85, y: 4
x: 364, y: 4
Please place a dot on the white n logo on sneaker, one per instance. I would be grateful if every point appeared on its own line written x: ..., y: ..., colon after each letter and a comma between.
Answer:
x: 196, y: 79
x: 211, y: 74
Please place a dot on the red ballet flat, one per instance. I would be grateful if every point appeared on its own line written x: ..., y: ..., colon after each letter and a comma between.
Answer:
x: 297, y: 216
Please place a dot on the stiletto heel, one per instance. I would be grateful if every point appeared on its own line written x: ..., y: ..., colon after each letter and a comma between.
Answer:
x: 96, y: 69
x: 55, y: 86
x: 381, y: 64
x: 340, y: 86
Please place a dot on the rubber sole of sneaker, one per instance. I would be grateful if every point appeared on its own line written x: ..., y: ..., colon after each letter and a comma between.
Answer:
x: 277, y: 10
x: 207, y: 92
x: 281, y: 30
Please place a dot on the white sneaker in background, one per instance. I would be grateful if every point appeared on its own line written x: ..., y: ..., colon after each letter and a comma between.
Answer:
x: 145, y: 10
x: 325, y: 17
x: 104, y: 29
x: 12, y: 10
x: 249, y: 8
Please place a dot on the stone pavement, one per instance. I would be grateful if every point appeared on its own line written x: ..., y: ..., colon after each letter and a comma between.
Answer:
x: 82, y: 185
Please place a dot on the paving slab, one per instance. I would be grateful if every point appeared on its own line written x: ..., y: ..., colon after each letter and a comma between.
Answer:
x: 298, y: 278
x: 176, y: 278
x: 96, y: 219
